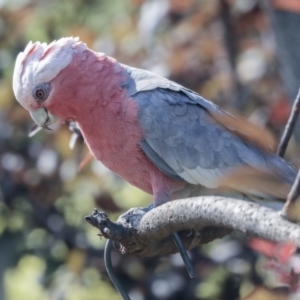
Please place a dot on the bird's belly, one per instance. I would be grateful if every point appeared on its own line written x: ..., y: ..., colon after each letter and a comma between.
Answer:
x: 133, y: 165
x: 123, y: 158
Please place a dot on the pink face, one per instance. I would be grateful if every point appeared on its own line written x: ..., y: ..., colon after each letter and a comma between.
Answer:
x: 35, y: 72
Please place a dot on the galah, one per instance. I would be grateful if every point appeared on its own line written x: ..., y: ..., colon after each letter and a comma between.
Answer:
x: 158, y: 135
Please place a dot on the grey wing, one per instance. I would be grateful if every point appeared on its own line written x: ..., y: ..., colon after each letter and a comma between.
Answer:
x: 183, y: 139
x: 188, y: 141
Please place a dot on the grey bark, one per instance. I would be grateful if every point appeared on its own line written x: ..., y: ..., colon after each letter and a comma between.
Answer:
x: 199, y: 220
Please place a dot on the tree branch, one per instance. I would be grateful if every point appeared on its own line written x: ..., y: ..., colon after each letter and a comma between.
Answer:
x: 198, y: 220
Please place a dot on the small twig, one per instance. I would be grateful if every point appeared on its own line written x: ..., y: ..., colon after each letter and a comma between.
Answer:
x: 295, y: 191
x: 289, y: 128
x: 291, y: 208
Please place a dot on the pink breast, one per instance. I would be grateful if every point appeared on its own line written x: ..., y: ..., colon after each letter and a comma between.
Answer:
x: 113, y: 135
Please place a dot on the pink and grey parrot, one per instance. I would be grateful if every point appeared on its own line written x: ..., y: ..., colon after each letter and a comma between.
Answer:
x: 158, y: 135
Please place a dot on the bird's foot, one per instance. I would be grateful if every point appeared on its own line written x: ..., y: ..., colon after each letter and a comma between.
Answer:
x: 175, y: 237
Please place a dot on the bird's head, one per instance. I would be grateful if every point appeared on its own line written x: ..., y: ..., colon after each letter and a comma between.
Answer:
x: 39, y: 72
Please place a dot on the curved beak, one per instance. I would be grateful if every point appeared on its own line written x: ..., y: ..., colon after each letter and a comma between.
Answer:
x: 42, y: 117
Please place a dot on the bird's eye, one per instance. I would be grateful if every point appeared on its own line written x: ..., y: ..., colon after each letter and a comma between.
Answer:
x: 41, y: 92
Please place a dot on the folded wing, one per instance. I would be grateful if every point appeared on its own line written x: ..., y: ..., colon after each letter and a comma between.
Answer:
x: 184, y: 140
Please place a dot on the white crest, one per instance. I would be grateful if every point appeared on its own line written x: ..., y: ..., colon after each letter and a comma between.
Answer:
x: 41, y: 62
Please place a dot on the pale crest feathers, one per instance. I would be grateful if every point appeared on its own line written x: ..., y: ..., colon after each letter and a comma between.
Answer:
x: 41, y: 62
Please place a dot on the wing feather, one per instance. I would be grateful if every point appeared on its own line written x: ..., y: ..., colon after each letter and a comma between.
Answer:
x: 183, y: 138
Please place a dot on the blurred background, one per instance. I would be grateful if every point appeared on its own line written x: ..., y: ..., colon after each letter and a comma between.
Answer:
x: 241, y: 54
